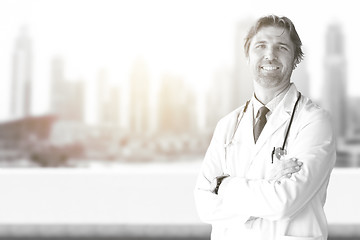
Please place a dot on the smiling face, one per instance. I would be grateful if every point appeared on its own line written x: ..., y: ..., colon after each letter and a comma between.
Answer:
x: 271, y: 57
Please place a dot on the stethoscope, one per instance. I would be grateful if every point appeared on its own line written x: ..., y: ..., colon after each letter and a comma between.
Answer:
x: 278, y: 152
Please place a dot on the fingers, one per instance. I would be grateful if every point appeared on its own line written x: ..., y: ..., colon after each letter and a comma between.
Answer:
x: 295, y: 169
x: 286, y: 168
x: 290, y: 170
x: 286, y: 158
x: 289, y: 164
x: 286, y: 172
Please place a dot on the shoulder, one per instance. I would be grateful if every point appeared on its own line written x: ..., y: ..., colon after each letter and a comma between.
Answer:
x: 310, y: 112
x: 307, y: 110
x: 228, y: 122
x: 313, y: 128
x: 313, y: 109
x: 232, y: 116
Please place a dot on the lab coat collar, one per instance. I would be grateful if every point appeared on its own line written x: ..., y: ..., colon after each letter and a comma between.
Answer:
x: 290, y: 99
x: 281, y: 114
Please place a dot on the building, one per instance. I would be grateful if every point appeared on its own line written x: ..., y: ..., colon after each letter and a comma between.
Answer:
x: 108, y: 101
x: 354, y: 117
x: 218, y: 95
x: 20, y: 138
x: 335, y: 97
x: 139, y: 98
x: 67, y: 97
x: 22, y: 76
x: 242, y: 85
x: 176, y: 106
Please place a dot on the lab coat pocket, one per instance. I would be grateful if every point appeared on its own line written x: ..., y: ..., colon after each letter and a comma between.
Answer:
x: 300, y: 238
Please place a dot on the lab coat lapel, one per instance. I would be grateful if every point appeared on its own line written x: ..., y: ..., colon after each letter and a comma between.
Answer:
x: 278, y: 118
x: 245, y: 127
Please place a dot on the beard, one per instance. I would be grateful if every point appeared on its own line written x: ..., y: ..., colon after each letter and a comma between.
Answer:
x: 272, y: 79
x: 268, y: 81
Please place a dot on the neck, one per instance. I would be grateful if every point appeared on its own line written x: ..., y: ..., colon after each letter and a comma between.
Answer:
x: 265, y: 95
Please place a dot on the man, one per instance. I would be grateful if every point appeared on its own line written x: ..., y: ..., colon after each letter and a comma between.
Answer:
x: 267, y: 168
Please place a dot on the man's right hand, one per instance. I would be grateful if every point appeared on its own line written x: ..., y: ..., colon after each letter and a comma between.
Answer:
x: 284, y: 168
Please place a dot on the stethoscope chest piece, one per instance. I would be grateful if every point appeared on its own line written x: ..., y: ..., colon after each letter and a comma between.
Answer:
x: 279, y: 152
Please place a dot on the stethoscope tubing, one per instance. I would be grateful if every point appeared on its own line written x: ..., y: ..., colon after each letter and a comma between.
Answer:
x: 291, y: 120
x: 239, y: 118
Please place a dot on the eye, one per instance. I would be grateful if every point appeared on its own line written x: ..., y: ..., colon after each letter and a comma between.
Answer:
x: 283, y: 48
x: 260, y: 46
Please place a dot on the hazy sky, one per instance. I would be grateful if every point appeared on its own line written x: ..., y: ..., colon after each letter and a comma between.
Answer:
x: 192, y: 39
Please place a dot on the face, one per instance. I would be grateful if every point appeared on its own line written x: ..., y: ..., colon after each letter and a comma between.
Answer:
x: 271, y: 57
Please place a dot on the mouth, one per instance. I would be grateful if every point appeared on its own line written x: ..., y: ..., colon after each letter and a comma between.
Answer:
x: 269, y: 68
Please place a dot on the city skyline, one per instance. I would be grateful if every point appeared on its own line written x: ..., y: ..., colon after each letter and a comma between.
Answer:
x: 198, y: 77
x: 239, y: 75
x: 177, y: 107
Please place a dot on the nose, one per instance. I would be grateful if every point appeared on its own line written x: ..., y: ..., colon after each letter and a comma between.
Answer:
x: 270, y: 54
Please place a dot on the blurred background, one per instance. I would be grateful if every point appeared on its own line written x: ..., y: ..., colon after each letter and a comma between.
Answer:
x: 108, y: 107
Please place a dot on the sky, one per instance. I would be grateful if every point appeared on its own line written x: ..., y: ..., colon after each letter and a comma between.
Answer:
x: 191, y: 39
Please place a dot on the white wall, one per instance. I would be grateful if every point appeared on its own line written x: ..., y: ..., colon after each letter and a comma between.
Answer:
x: 159, y: 194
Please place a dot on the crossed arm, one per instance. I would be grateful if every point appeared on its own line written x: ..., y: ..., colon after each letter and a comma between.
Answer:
x: 240, y: 198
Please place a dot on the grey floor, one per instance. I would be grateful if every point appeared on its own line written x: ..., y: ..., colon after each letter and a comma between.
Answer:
x: 119, y: 238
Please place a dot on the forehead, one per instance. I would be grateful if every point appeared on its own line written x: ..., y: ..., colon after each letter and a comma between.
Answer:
x: 273, y: 35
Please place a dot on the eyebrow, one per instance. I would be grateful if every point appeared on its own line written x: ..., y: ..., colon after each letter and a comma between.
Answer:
x: 260, y: 42
x: 284, y: 44
x: 279, y: 43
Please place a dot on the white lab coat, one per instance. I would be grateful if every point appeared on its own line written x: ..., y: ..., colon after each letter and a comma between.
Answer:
x: 249, y: 206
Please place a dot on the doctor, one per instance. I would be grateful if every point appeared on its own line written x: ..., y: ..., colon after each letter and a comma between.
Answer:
x: 267, y: 168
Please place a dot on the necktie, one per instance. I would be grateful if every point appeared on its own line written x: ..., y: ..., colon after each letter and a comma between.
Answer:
x: 260, y: 123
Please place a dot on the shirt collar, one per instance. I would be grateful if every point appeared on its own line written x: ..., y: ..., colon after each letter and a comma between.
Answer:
x: 256, y: 104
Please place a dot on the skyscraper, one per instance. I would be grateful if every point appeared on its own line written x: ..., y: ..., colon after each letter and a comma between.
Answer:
x: 139, y: 98
x: 22, y: 76
x: 176, y: 106
x: 108, y: 100
x: 335, y: 79
x: 218, y: 95
x: 57, y: 86
x: 67, y: 98
x: 242, y: 87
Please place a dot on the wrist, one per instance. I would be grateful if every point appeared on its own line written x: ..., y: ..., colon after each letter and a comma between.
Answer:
x: 215, y: 184
x: 223, y: 185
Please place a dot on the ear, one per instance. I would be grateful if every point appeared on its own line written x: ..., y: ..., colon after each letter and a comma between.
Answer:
x: 247, y: 59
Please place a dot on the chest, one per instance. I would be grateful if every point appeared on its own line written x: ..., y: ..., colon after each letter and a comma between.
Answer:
x: 246, y: 159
